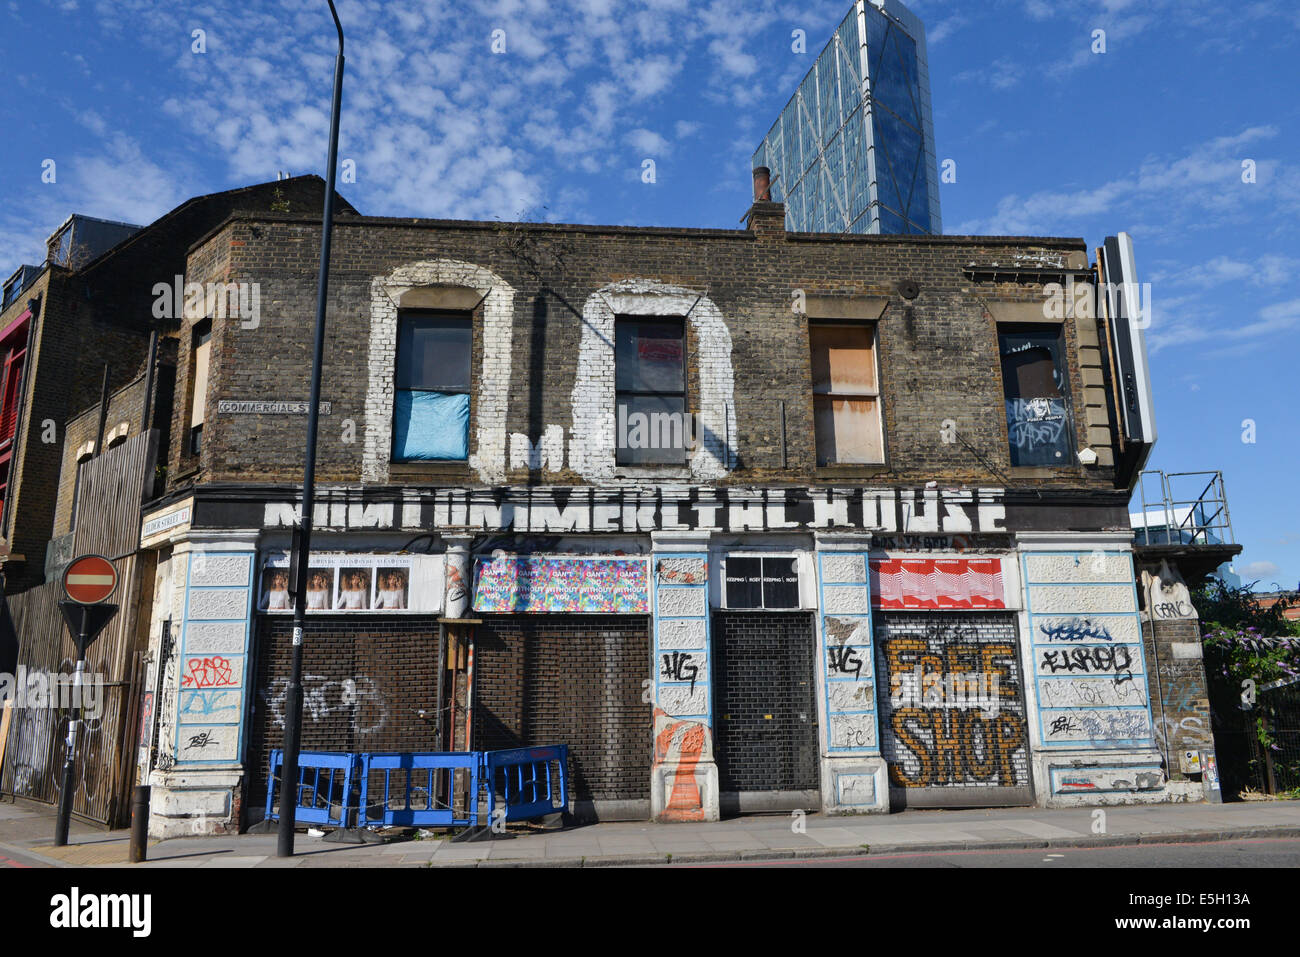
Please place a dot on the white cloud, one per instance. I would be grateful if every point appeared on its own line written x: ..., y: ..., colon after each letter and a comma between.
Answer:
x: 118, y: 181
x: 648, y: 143
x: 1183, y: 321
x: 944, y: 29
x: 1201, y: 188
x: 650, y: 75
x: 1258, y: 570
x: 1270, y: 269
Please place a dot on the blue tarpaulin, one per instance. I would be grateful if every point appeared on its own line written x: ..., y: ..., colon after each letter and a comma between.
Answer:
x: 430, y: 425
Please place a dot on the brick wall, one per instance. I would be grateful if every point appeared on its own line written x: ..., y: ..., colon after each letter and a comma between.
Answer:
x: 941, y: 364
x: 64, y: 374
x: 569, y: 679
x: 101, y: 315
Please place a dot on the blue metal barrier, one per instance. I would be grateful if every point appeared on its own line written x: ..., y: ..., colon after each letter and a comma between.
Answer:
x: 329, y: 806
x: 423, y: 773
x: 523, y: 777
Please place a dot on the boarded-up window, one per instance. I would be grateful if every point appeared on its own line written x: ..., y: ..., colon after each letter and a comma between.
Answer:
x: 431, y: 404
x: 1036, y: 395
x: 846, y: 395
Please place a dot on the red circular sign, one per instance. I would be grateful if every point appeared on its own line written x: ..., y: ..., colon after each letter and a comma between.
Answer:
x: 90, y: 579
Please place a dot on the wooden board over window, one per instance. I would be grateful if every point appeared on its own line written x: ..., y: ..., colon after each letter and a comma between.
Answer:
x: 846, y: 395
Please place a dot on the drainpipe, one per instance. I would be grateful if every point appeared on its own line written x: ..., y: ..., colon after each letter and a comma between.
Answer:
x: 103, y: 414
x: 148, y: 381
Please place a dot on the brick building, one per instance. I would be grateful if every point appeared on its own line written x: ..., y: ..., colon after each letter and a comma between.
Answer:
x: 89, y: 342
x: 747, y: 518
x: 80, y: 323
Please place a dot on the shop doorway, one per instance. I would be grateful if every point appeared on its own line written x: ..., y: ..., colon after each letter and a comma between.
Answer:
x: 765, y: 711
x: 952, y: 709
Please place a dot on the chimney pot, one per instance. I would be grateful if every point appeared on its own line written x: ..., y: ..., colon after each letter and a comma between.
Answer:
x: 762, y: 185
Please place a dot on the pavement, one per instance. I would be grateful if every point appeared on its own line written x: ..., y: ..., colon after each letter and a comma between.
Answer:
x: 26, y: 838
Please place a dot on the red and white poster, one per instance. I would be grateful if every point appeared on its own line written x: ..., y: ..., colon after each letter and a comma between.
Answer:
x: 936, y: 583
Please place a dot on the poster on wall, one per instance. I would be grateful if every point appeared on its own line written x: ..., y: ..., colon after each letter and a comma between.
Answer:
x: 511, y: 583
x: 928, y: 584
x: 356, y: 583
x: 754, y: 582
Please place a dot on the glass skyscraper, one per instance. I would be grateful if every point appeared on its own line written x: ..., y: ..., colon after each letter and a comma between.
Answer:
x: 853, y: 150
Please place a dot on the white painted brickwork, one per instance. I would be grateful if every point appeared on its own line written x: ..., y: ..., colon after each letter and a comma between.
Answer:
x: 488, y: 451
x: 592, y: 438
x: 1084, y: 567
x: 223, y: 570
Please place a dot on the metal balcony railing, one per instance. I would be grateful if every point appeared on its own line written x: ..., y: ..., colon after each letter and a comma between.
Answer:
x: 1182, y: 508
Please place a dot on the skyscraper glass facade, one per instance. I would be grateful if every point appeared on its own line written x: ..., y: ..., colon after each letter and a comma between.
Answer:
x: 853, y: 150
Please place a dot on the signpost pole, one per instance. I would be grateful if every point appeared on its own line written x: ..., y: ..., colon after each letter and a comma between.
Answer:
x: 87, y: 583
x: 293, y: 693
x: 69, y: 771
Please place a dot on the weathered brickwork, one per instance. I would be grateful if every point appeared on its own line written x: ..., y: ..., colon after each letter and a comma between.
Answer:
x: 543, y: 303
x: 939, y: 358
x: 101, y: 316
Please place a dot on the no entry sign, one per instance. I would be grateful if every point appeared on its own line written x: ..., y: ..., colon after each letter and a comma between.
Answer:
x: 90, y: 579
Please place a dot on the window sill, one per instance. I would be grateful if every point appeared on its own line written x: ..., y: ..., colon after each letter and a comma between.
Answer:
x: 652, y: 471
x: 851, y: 471
x: 1044, y: 471
x: 449, y: 470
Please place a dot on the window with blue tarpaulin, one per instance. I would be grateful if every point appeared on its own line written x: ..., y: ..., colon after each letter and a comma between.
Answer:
x: 431, y: 400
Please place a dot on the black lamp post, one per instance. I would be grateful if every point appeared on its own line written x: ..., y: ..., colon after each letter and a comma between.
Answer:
x: 293, y: 696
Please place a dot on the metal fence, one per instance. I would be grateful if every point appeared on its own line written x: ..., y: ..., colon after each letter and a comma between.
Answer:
x: 1275, y: 768
x: 422, y: 789
x: 1183, y: 508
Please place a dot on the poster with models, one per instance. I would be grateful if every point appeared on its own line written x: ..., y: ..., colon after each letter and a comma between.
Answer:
x: 356, y: 583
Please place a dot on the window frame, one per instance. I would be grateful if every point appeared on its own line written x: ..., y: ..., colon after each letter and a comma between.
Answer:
x: 200, y: 336
x: 11, y: 380
x: 404, y: 316
x: 76, y: 488
x: 621, y: 453
x: 873, y: 327
x: 1061, y: 379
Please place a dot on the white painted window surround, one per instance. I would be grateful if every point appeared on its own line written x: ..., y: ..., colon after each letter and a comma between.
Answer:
x: 592, y: 437
x: 488, y: 449
x: 591, y: 433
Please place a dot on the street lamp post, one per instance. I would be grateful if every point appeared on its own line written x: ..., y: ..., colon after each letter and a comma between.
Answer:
x: 293, y: 695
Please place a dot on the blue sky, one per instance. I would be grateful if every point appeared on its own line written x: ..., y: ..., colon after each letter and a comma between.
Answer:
x: 1049, y: 138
